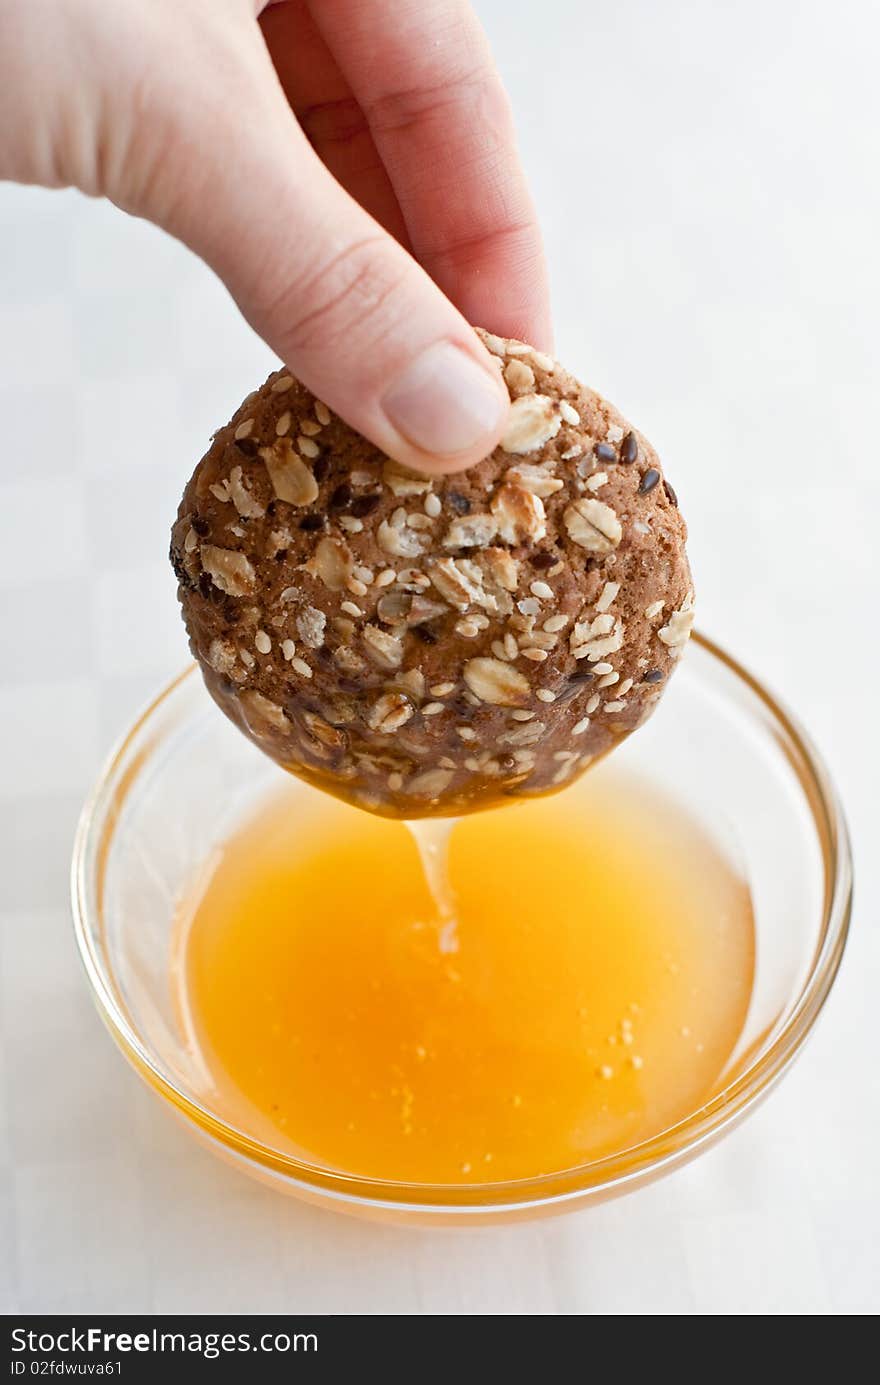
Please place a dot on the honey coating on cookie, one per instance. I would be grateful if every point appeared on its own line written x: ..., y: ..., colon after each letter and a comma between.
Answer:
x: 428, y: 646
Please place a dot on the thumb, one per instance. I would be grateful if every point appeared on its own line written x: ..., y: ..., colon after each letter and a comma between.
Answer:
x: 344, y: 305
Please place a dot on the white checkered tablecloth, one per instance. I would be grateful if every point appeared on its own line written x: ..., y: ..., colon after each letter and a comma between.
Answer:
x: 716, y: 273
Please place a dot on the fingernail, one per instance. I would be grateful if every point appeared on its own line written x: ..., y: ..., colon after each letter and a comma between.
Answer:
x: 445, y: 402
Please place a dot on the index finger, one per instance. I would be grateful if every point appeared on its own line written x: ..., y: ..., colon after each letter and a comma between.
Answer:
x: 423, y: 74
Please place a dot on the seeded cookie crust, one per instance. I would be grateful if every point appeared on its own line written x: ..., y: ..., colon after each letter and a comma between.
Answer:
x: 426, y: 646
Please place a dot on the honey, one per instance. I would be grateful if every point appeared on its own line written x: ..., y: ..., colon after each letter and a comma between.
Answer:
x: 583, y: 989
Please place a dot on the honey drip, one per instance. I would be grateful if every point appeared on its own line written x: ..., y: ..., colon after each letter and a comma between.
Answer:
x: 432, y: 836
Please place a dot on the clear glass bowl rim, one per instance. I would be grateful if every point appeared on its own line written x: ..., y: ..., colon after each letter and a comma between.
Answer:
x: 596, y: 1180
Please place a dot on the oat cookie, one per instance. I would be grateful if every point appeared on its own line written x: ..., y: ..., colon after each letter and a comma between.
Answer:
x: 426, y: 646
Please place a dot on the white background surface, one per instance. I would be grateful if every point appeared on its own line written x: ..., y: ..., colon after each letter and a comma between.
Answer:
x: 706, y: 175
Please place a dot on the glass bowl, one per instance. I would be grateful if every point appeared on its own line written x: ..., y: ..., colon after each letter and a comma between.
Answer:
x: 720, y: 744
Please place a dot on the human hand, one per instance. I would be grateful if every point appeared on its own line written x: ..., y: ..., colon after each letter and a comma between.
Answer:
x: 329, y: 159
